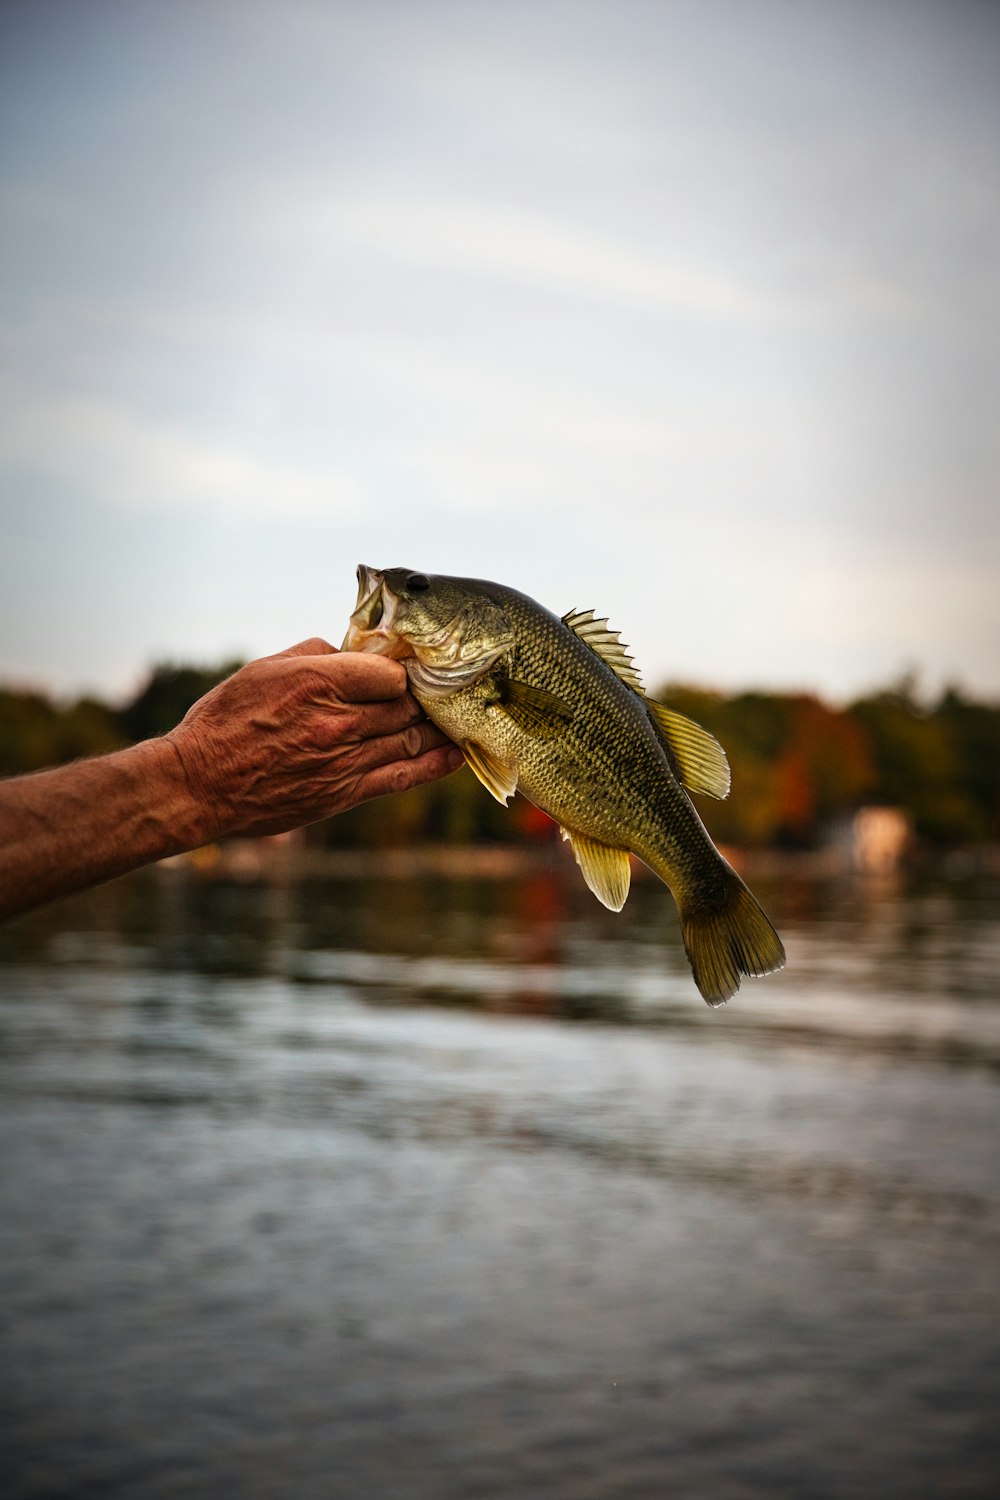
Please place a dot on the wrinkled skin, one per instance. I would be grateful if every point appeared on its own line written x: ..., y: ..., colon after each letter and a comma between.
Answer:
x: 302, y: 735
x: 285, y: 741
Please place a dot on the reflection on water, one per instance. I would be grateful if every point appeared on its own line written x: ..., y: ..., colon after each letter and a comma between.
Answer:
x: 456, y: 1188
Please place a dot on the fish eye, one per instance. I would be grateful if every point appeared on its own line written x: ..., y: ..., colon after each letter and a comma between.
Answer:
x: 417, y: 583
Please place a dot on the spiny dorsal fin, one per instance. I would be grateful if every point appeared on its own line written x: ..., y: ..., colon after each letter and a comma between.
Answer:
x: 606, y: 643
x: 605, y: 870
x: 533, y: 709
x: 700, y: 759
x: 498, y: 781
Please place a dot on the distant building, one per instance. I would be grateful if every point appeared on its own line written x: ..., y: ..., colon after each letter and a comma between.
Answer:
x: 880, y: 837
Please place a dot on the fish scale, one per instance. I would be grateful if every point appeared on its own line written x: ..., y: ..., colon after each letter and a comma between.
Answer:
x: 561, y: 716
x: 611, y: 754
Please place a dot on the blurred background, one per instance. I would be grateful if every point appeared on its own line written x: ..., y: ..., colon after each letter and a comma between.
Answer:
x: 380, y: 1159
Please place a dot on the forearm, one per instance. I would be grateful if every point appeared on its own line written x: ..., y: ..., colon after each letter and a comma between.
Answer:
x: 284, y: 742
x: 88, y: 822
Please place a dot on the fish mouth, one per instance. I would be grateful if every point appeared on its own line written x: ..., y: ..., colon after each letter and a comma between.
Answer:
x: 373, y: 624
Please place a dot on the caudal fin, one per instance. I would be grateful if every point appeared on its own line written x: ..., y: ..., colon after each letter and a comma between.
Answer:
x: 726, y: 941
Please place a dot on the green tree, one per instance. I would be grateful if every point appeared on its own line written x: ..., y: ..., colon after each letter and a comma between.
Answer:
x: 168, y: 693
x: 796, y: 764
x: 973, y: 730
x: 35, y: 732
x: 915, y: 766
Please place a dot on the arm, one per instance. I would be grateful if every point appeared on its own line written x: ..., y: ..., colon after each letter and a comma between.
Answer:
x: 285, y: 741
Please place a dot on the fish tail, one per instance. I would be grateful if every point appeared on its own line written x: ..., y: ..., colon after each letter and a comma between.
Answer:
x: 728, y: 939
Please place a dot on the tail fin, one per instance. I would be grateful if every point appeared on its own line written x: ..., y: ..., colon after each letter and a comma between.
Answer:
x: 728, y: 940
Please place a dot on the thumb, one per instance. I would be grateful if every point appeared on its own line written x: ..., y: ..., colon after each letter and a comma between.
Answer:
x: 314, y: 646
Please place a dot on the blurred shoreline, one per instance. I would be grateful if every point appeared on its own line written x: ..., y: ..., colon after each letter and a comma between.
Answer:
x: 290, y: 857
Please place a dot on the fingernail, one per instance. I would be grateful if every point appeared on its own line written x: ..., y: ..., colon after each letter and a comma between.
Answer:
x: 454, y: 758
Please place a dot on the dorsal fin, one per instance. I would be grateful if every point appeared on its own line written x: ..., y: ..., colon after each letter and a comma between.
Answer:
x: 696, y: 755
x: 606, y: 644
x: 699, y: 758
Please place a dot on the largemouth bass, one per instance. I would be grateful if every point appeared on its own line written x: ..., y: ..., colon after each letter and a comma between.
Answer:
x: 555, y: 709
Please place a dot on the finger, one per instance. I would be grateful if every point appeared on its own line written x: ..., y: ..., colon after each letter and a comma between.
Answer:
x: 408, y: 745
x: 370, y: 721
x: 400, y: 775
x: 314, y: 646
x: 361, y: 723
x: 361, y: 677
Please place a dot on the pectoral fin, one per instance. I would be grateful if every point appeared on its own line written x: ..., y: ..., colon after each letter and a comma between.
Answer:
x: 605, y: 870
x: 496, y: 778
x: 700, y: 759
x: 533, y: 709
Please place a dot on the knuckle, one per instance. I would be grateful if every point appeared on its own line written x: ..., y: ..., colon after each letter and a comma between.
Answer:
x: 400, y: 778
x: 315, y: 645
x: 413, y: 740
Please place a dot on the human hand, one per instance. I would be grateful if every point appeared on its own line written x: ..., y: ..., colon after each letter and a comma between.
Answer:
x: 296, y: 737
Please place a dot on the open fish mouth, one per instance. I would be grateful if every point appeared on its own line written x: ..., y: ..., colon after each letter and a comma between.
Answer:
x: 442, y: 655
x: 373, y: 625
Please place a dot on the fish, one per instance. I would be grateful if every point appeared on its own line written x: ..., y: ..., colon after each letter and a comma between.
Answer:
x: 553, y: 707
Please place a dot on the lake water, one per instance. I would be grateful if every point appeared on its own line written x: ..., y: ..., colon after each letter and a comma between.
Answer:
x: 457, y: 1189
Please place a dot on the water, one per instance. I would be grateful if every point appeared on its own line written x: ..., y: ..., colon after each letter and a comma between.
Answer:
x: 456, y: 1189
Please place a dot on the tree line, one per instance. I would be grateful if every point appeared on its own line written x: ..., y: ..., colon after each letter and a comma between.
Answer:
x: 799, y: 765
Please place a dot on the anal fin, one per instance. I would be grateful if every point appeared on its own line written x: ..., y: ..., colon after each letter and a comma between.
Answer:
x: 496, y: 778
x: 605, y: 870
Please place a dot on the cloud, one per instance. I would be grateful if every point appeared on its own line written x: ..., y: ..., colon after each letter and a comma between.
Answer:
x: 122, y: 457
x: 501, y: 240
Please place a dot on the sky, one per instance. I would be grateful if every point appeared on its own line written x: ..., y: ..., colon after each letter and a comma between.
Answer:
x: 686, y: 312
